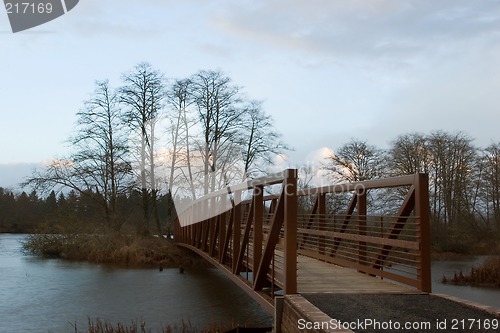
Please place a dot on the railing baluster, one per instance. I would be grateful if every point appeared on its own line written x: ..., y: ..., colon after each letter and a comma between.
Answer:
x: 258, y: 214
x: 236, y: 232
x: 422, y: 215
x: 290, y: 265
x: 321, y: 221
x: 361, y: 193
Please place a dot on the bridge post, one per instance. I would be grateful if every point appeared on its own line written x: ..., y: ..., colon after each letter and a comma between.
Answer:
x: 177, y: 231
x: 361, y: 193
x: 321, y: 221
x: 422, y: 213
x: 222, y: 229
x: 258, y: 219
x: 290, y: 222
x: 236, y: 231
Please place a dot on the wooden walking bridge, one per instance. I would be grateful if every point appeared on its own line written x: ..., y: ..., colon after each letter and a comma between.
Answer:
x: 284, y: 245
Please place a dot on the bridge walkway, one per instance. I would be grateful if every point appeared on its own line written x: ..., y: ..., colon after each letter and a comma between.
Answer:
x: 315, y: 276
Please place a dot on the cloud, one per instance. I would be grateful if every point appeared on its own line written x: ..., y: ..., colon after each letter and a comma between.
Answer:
x: 146, y: 20
x: 397, y: 31
x: 328, y: 70
x: 318, y: 157
x: 459, y: 94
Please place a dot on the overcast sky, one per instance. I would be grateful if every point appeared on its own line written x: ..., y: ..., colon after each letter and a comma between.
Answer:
x: 326, y: 70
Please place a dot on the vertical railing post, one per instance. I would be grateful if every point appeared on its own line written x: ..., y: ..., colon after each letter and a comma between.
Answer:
x: 421, y: 184
x: 321, y: 221
x: 204, y: 235
x: 177, y: 230
x: 258, y: 217
x: 212, y: 237
x: 236, y: 230
x: 199, y: 235
x: 361, y: 192
x: 191, y: 236
x: 222, y: 227
x: 290, y: 194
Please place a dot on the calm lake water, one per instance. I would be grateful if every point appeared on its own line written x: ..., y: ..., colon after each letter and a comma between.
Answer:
x: 50, y: 295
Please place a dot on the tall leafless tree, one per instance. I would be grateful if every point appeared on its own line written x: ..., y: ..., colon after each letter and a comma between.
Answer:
x: 181, y: 122
x: 260, y: 141
x: 356, y: 161
x: 490, y: 159
x: 217, y: 137
x: 409, y: 154
x: 143, y: 95
x: 219, y: 111
x: 179, y: 156
x: 98, y: 166
x: 452, y: 160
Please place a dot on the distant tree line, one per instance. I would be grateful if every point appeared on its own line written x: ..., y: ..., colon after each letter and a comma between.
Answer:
x: 159, y: 139
x: 66, y: 212
x: 464, y: 181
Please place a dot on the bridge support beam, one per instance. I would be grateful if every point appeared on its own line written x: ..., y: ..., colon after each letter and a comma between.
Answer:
x: 422, y: 211
x: 290, y: 193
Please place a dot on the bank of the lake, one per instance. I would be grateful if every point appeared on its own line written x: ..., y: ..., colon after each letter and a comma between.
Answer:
x: 41, y: 295
x: 127, y: 250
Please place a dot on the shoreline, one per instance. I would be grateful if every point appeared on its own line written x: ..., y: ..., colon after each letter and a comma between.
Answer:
x: 120, y: 250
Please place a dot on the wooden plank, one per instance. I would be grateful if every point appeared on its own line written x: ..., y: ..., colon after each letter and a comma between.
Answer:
x: 366, y: 269
x: 317, y: 276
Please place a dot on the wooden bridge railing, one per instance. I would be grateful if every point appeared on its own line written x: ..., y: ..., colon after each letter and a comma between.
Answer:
x: 254, y: 236
x: 253, y: 240
x: 381, y: 232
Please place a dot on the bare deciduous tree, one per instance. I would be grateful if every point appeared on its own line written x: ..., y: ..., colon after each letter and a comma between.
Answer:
x: 98, y: 165
x: 218, y: 104
x: 260, y: 141
x: 452, y: 160
x: 491, y: 182
x: 409, y: 154
x: 181, y: 122
x: 143, y: 96
x: 356, y: 161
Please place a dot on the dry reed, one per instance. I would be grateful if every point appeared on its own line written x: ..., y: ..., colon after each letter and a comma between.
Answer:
x: 487, y: 274
x: 117, y: 249
x: 100, y: 326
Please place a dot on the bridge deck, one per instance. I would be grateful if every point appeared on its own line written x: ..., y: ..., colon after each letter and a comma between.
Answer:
x: 315, y: 276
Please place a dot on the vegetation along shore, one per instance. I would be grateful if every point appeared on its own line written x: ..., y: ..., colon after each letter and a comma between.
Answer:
x: 487, y: 274
x: 112, y: 248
